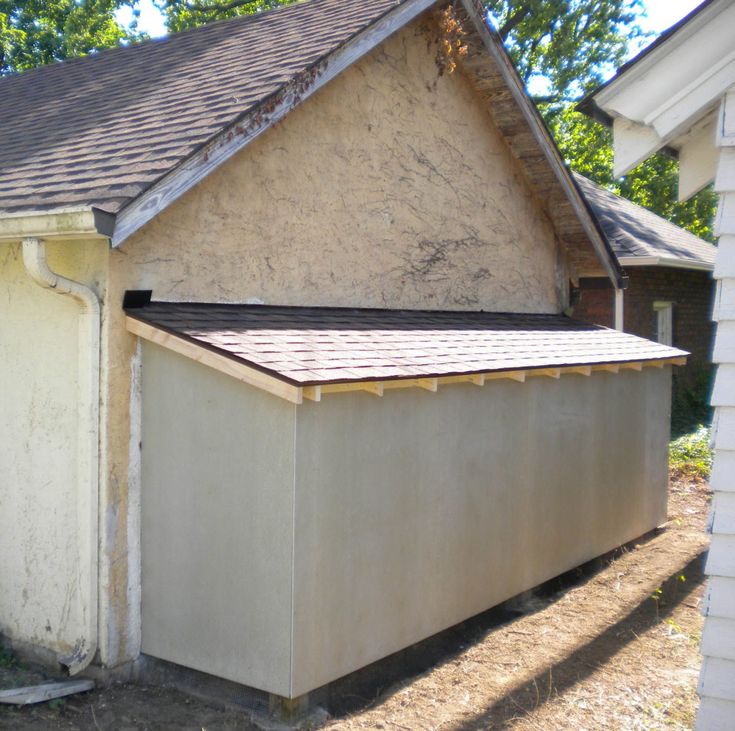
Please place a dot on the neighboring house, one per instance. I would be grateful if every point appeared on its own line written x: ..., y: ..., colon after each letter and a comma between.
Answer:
x: 280, y: 494
x: 669, y: 295
x: 680, y: 94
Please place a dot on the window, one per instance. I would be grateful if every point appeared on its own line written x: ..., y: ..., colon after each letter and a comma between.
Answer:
x: 664, y: 322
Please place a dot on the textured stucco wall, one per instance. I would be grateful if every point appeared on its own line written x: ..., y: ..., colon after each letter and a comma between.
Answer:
x: 389, y: 187
x: 44, y: 587
x: 284, y: 553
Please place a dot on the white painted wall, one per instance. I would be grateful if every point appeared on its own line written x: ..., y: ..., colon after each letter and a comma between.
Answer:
x: 717, y: 682
x: 284, y: 547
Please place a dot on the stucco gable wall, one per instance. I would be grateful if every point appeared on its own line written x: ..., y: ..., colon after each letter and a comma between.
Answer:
x: 390, y: 187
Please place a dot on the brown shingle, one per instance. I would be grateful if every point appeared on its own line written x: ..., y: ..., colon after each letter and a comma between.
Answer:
x: 101, y: 129
x: 315, y: 346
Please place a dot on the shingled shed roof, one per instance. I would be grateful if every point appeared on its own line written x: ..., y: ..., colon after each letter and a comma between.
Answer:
x: 641, y: 238
x: 128, y: 131
x: 321, y: 347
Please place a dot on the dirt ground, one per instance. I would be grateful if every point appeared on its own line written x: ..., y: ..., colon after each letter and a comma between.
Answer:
x: 611, y: 646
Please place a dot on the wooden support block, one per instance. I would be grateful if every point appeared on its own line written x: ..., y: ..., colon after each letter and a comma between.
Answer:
x: 607, y: 367
x: 633, y: 366
x: 550, y: 372
x: 478, y: 380
x: 313, y: 393
x: 581, y: 370
x: 655, y: 363
x: 429, y: 384
x: 376, y: 388
x: 519, y: 376
x: 678, y: 361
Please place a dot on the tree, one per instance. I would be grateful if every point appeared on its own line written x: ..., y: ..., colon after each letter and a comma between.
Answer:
x: 37, y: 32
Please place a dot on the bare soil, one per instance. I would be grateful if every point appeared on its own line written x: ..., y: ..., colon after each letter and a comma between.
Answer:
x: 613, y: 645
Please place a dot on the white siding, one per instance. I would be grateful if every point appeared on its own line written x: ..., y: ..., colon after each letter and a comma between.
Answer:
x: 717, y: 684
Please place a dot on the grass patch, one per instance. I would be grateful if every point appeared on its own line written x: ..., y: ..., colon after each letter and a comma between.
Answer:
x: 691, y: 455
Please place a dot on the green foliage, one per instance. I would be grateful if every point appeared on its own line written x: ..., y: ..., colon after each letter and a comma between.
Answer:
x: 566, y: 45
x: 37, y: 32
x: 691, y: 454
x: 587, y: 147
x: 182, y: 15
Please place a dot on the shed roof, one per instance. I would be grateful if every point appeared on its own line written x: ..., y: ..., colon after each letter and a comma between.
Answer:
x: 641, y: 238
x: 319, y: 346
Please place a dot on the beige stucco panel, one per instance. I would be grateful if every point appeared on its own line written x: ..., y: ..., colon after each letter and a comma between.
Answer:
x: 469, y: 497
x: 217, y: 538
x: 44, y: 544
x: 390, y: 187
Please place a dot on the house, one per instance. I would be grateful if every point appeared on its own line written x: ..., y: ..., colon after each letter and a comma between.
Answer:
x: 281, y: 493
x: 679, y: 95
x: 669, y: 294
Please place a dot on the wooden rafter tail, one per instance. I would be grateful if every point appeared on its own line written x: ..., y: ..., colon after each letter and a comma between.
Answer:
x: 607, y: 368
x: 679, y: 361
x: 313, y: 393
x: 549, y: 372
x: 519, y: 376
x: 580, y: 370
x: 478, y: 379
x: 632, y: 366
x: 376, y: 388
x: 428, y: 384
x: 218, y: 362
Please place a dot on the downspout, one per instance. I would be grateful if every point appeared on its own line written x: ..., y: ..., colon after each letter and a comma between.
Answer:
x: 619, y: 310
x: 36, y: 264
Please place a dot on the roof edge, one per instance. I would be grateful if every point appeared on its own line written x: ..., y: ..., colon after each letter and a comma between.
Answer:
x: 255, y: 121
x: 540, y: 131
x: 666, y: 261
x: 85, y: 222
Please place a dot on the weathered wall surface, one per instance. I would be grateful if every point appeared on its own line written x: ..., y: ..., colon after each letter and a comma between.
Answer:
x: 390, y: 187
x: 404, y: 531
x: 44, y: 588
x: 218, y: 480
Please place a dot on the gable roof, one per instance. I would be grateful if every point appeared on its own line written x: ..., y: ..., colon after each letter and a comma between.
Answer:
x: 641, y: 238
x: 130, y: 130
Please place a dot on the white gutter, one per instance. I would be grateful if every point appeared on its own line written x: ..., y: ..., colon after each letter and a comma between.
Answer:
x: 661, y: 261
x: 36, y: 264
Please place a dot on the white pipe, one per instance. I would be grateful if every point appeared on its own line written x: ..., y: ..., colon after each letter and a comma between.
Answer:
x: 36, y: 264
x: 619, y: 312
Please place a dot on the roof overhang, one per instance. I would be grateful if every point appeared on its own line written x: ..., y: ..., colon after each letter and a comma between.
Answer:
x: 670, y: 97
x: 59, y: 224
x: 303, y: 353
x: 662, y: 261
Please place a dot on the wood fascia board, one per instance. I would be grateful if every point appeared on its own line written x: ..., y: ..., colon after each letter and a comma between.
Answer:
x: 60, y: 224
x: 238, y: 135
x: 668, y: 262
x: 495, y: 48
x: 218, y: 362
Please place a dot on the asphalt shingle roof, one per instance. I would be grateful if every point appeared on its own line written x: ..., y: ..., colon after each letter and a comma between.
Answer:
x: 100, y: 130
x: 315, y: 346
x: 634, y: 231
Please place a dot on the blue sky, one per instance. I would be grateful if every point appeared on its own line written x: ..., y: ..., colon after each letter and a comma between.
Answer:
x: 660, y: 14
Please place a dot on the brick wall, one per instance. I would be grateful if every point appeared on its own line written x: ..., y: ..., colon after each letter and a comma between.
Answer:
x: 691, y: 293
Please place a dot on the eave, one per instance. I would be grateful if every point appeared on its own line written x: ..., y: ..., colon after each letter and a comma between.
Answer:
x: 663, y: 261
x: 59, y: 224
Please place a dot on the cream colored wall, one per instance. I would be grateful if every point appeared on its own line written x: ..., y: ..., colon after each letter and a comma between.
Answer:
x: 44, y: 585
x: 390, y: 187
